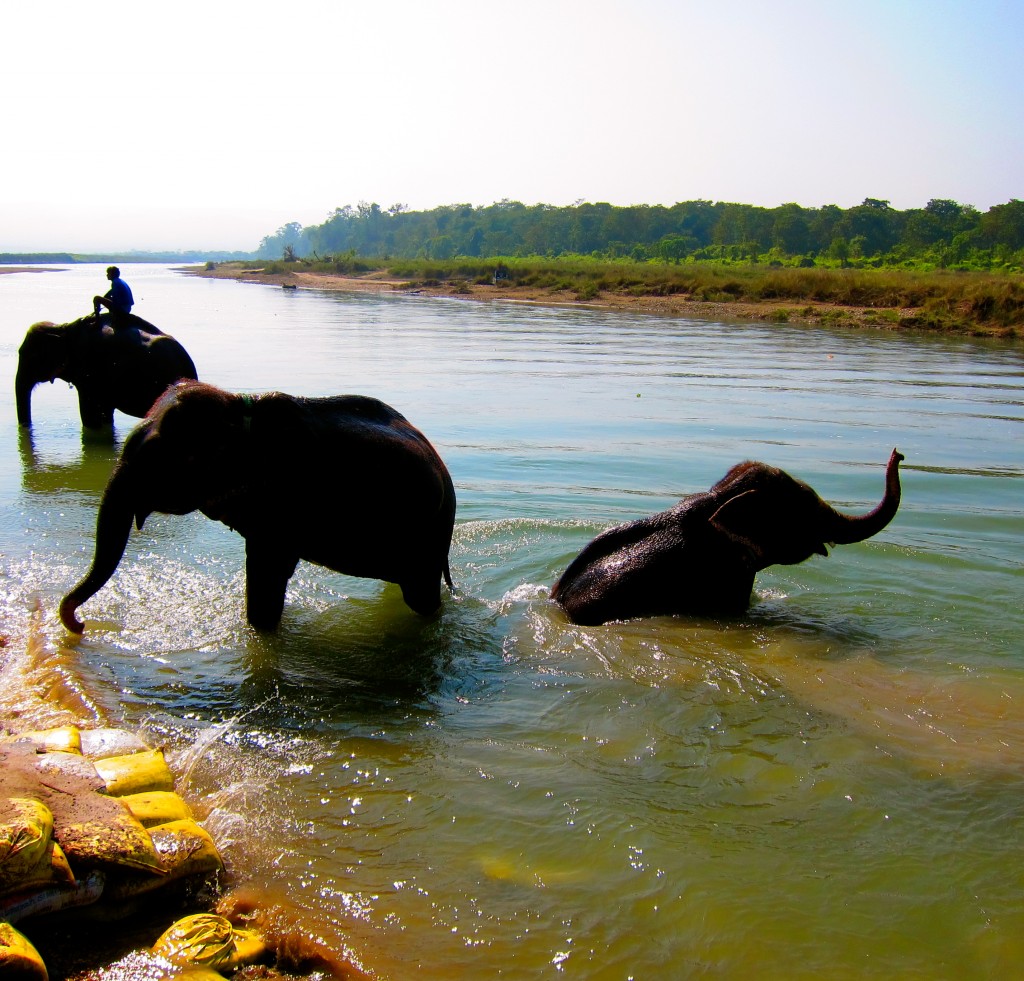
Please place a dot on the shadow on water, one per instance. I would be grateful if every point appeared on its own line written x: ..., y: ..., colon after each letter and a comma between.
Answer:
x: 48, y: 473
x: 366, y: 658
x: 347, y: 656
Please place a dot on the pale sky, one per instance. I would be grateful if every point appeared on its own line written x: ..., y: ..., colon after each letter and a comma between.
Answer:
x: 207, y: 125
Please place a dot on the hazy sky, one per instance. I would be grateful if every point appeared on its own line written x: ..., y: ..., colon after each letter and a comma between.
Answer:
x: 160, y: 125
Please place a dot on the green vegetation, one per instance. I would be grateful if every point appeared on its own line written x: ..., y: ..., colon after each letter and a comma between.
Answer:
x: 30, y: 258
x: 945, y: 266
x: 942, y: 235
x: 972, y: 302
x: 72, y: 258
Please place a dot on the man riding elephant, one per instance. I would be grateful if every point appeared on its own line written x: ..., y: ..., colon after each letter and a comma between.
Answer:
x: 118, y: 299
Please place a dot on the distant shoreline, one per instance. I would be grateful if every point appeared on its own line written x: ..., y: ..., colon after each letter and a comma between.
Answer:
x: 19, y: 269
x: 768, y: 311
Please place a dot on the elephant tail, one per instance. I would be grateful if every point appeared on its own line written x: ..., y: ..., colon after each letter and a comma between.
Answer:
x: 448, y: 578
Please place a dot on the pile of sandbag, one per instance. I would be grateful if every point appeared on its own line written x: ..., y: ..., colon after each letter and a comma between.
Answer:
x: 89, y: 819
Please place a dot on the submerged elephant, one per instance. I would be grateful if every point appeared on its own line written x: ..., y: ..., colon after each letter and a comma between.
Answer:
x: 700, y: 557
x: 125, y: 368
x: 344, y: 482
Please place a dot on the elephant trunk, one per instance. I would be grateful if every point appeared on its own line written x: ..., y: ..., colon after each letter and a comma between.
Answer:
x: 113, y: 526
x: 23, y: 385
x: 847, y: 529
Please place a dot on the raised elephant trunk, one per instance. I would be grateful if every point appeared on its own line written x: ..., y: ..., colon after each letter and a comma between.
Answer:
x: 113, y: 526
x: 847, y: 529
x: 23, y: 386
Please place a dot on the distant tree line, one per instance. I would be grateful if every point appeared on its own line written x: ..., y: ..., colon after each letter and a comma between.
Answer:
x: 73, y: 258
x: 943, y: 233
x: 35, y: 258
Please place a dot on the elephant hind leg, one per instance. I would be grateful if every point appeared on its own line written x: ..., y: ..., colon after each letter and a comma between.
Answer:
x: 423, y: 594
x: 267, y: 572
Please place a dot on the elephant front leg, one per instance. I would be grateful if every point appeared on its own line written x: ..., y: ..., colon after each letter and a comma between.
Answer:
x: 267, y: 571
x: 96, y: 411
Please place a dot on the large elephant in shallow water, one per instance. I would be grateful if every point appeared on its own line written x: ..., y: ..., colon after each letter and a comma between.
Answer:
x: 344, y: 482
x: 700, y: 557
x: 125, y: 367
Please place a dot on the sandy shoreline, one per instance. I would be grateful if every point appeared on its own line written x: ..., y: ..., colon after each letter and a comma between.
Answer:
x: 18, y: 269
x: 680, y: 306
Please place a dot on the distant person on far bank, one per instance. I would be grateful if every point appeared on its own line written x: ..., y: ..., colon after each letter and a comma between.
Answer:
x: 118, y: 299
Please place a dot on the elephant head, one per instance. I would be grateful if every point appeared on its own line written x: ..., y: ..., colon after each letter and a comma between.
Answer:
x: 701, y: 556
x: 344, y: 482
x: 184, y: 456
x: 43, y: 357
x: 781, y: 521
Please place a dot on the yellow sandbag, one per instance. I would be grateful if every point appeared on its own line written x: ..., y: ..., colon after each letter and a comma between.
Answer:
x: 204, y: 939
x: 51, y: 870
x: 60, y: 866
x: 250, y: 947
x: 26, y: 827
x: 63, y: 739
x: 113, y: 838
x: 210, y: 941
x: 135, y: 773
x: 156, y: 807
x: 184, y: 850
x: 19, y: 960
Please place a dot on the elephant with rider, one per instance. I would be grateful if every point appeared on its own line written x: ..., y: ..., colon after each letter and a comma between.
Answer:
x: 126, y: 366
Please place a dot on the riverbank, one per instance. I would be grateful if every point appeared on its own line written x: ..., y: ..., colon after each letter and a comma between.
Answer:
x: 798, y: 310
x: 43, y: 699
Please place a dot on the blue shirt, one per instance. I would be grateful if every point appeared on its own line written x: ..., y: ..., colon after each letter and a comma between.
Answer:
x: 120, y: 296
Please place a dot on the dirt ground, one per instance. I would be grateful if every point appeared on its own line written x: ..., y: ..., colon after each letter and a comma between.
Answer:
x: 680, y: 306
x: 17, y: 269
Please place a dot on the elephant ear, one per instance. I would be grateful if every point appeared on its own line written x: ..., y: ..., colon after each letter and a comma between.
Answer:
x: 738, y: 520
x: 51, y: 341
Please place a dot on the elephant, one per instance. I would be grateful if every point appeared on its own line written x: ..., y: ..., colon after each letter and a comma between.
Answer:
x: 125, y: 367
x: 700, y: 556
x: 344, y: 482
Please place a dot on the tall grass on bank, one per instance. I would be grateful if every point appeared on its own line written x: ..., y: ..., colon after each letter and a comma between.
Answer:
x: 987, y: 302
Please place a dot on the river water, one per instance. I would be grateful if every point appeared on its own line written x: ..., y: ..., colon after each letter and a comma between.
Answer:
x: 830, y: 786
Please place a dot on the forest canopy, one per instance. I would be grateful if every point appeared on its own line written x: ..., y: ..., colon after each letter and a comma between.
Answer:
x: 942, y: 234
